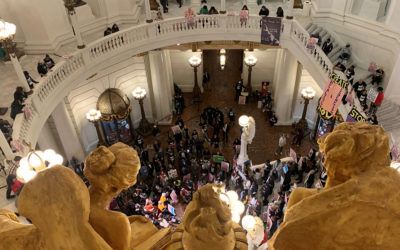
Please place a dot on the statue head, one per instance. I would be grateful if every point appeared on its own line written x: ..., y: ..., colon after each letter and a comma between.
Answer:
x: 208, y: 222
x: 112, y: 169
x: 353, y: 148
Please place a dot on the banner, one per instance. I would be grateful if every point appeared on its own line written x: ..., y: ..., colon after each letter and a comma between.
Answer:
x: 372, y: 94
x: 325, y: 115
x: 225, y: 166
x: 218, y: 158
x: 270, y: 30
x: 332, y: 96
x: 176, y: 129
x: 355, y: 116
x: 312, y: 41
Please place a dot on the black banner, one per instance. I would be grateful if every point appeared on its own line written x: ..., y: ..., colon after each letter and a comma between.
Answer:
x: 270, y: 30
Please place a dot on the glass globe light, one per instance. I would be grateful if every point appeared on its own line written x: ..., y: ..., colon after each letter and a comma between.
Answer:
x: 11, y: 28
x: 308, y: 93
x: 224, y: 198
x: 248, y: 222
x: 24, y: 174
x: 244, y: 120
x: 49, y: 154
x: 56, y: 160
x: 235, y: 217
x: 36, y: 160
x: 233, y: 196
x: 93, y: 115
x: 250, y: 60
x: 237, y: 206
x: 194, y: 61
x: 139, y: 93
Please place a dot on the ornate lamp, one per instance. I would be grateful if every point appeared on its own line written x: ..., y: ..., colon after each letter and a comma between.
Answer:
x: 144, y: 126
x: 250, y: 61
x: 7, y: 32
x: 232, y: 200
x: 244, y: 121
x: 94, y: 116
x: 307, y: 94
x: 35, y: 162
x: 195, y: 62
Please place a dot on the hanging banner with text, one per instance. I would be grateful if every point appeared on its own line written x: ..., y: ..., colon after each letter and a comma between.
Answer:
x: 270, y: 30
x: 332, y: 97
x: 355, y: 116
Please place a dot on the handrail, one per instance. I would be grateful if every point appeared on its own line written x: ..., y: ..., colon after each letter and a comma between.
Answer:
x: 79, y: 62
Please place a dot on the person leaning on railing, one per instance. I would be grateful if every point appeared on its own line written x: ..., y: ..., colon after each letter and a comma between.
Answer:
x: 189, y: 16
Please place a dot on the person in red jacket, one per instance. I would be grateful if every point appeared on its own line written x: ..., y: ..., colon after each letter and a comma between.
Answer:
x: 378, y: 101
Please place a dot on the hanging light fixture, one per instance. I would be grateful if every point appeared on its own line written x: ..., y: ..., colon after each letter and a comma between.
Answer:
x: 222, y: 58
x: 35, y: 162
x: 232, y: 200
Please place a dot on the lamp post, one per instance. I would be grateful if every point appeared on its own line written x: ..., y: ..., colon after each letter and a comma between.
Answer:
x: 93, y: 116
x: 35, y: 162
x: 7, y: 32
x: 250, y: 61
x: 144, y: 125
x: 195, y: 62
x: 307, y: 94
x: 70, y: 6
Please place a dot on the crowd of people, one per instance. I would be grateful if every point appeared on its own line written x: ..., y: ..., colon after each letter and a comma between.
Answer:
x: 360, y: 87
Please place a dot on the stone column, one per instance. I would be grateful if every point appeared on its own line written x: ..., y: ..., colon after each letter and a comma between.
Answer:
x: 6, y: 147
x: 75, y: 27
x: 223, y: 7
x: 252, y: 6
x: 159, y: 83
x: 20, y: 72
x: 284, y: 86
x: 289, y: 11
x: 148, y: 11
x: 70, y: 140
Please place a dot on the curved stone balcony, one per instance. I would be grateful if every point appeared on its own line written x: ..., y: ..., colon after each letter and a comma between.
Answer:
x: 83, y: 64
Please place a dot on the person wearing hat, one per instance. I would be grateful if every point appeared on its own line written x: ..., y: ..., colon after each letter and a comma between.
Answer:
x: 377, y: 77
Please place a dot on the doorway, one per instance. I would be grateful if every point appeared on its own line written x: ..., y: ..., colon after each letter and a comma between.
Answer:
x: 221, y: 80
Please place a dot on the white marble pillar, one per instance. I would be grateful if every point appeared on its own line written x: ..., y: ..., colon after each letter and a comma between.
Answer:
x: 284, y: 86
x: 252, y: 6
x: 70, y: 140
x: 6, y: 147
x: 392, y: 90
x: 20, y: 72
x: 148, y: 11
x: 159, y: 79
x: 289, y: 11
x: 223, y: 7
x: 77, y: 30
x: 48, y: 140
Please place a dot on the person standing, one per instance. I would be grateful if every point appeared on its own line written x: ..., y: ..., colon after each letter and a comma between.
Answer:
x: 378, y: 101
x: 327, y: 46
x: 29, y: 80
x: 281, y: 144
x: 238, y: 89
x: 206, y: 81
x: 225, y: 131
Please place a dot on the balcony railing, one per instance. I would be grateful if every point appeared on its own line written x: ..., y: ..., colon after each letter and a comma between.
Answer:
x: 51, y: 89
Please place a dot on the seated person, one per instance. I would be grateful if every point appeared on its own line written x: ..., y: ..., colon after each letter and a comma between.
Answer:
x: 49, y: 61
x: 350, y: 73
x: 378, y: 76
x: 339, y: 66
x: 346, y: 53
x: 212, y: 11
x: 364, y: 106
x: 359, y: 87
x: 29, y: 79
x: 42, y: 68
x: 263, y: 11
x: 273, y: 120
x: 363, y: 96
x: 204, y: 10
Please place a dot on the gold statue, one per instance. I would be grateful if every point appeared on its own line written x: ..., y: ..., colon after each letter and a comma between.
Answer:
x: 207, y: 224
x: 359, y: 206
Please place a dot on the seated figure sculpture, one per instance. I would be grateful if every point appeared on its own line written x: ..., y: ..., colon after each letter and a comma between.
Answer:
x: 359, y: 206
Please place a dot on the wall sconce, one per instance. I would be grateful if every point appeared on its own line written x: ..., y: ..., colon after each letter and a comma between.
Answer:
x: 222, y: 58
